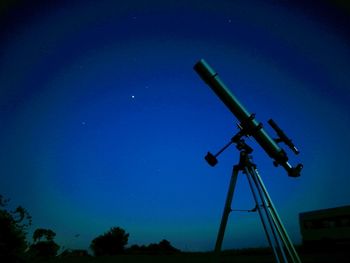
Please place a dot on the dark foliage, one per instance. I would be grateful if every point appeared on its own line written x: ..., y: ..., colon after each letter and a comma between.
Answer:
x: 111, y: 243
x: 41, y: 232
x: 43, y: 248
x: 163, y: 247
x: 13, y: 226
x: 74, y: 253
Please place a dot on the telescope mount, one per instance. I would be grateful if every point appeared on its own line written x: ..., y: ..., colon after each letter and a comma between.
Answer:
x: 276, y: 234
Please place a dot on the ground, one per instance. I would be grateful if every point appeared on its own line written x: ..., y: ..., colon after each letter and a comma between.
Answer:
x: 226, y: 257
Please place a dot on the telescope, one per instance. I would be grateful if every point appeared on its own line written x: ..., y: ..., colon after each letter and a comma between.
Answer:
x: 248, y: 123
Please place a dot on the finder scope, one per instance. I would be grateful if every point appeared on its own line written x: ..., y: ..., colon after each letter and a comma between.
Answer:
x: 248, y: 120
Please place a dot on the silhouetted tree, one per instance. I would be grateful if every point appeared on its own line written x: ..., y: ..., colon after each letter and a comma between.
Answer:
x: 44, y: 248
x: 41, y: 232
x: 13, y: 227
x: 111, y: 243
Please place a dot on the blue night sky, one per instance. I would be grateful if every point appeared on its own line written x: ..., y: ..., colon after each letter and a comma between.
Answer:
x: 104, y: 122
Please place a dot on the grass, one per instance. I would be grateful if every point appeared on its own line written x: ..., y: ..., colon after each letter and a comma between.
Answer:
x: 240, y: 256
x: 178, y: 258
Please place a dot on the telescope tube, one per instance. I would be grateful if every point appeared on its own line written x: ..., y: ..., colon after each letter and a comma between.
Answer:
x: 269, y: 145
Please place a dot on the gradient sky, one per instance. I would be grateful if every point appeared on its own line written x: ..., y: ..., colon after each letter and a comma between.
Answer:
x: 103, y: 121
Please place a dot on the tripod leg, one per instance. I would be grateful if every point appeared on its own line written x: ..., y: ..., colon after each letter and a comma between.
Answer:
x: 256, y: 196
x: 278, y: 223
x: 275, y: 232
x: 227, y: 209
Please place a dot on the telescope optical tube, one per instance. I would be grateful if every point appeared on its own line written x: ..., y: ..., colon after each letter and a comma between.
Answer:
x: 210, y: 77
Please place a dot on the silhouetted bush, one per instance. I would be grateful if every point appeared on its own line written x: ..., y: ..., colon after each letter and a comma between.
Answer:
x: 13, y: 226
x: 74, y: 253
x: 163, y: 247
x: 166, y: 247
x: 111, y: 243
x: 43, y: 248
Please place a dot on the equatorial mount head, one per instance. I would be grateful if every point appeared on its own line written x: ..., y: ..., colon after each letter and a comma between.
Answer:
x: 237, y: 139
x: 245, y: 130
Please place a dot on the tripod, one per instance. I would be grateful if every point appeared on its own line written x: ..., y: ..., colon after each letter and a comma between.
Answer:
x: 276, y: 234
